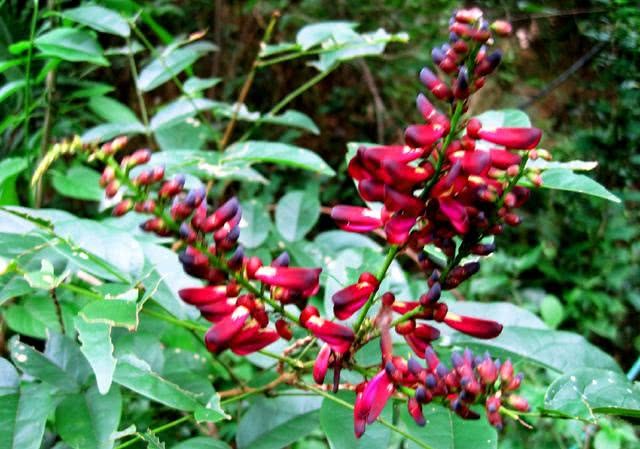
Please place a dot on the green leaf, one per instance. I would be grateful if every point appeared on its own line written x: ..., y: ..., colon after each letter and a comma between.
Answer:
x: 194, y: 84
x: 336, y: 422
x: 88, y: 420
x: 504, y: 118
x: 33, y: 316
x: 98, y: 350
x: 201, y: 443
x: 282, y: 420
x: 37, y: 365
x: 563, y: 179
x: 178, y: 111
x: 205, y: 165
x: 312, y: 35
x: 23, y: 416
x: 108, y: 131
x: 164, y: 278
x: 99, y: 18
x: 11, y: 167
x: 9, y: 378
x: 112, y: 110
x: 211, y: 412
x: 152, y: 440
x: 116, y: 247
x: 446, y: 430
x: 166, y: 66
x: 136, y: 375
x: 294, y: 119
x: 296, y: 214
x: 11, y: 88
x: 583, y: 393
x: 71, y: 44
x: 78, y: 182
x: 276, y: 153
x: 557, y: 350
x: 552, y: 311
x: 255, y: 223
x: 65, y: 353
x: 113, y: 312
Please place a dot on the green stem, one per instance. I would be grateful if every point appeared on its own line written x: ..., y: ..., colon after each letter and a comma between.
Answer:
x: 391, y: 254
x: 382, y: 421
x: 27, y: 84
x: 285, y: 101
x: 141, y: 103
x: 162, y: 428
x: 288, y: 360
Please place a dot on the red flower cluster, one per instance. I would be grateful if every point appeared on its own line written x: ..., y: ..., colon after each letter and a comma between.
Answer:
x: 229, y: 300
x: 471, y: 380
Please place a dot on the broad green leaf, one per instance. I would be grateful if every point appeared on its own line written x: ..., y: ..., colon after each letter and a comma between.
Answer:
x: 179, y: 110
x: 211, y: 412
x: 65, y: 353
x: 11, y: 88
x: 558, y: 350
x: 205, y: 165
x: 23, y: 416
x: 78, y: 182
x: 112, y: 110
x: 201, y: 443
x: 99, y: 18
x: 191, y: 134
x: 136, y: 375
x: 71, y: 44
x: 552, y: 311
x: 166, y: 66
x: 294, y: 119
x: 317, y: 33
x: 44, y: 278
x: 583, y: 393
x: 34, y: 316
x: 504, y: 118
x: 37, y: 365
x: 11, y: 167
x: 108, y: 131
x: 255, y: 223
x: 9, y: 379
x: 164, y: 278
x: 349, y: 45
x: 336, y: 421
x: 282, y: 420
x: 563, y: 179
x: 276, y: 153
x: 113, y: 312
x: 98, y: 350
x: 446, y: 430
x: 194, y: 84
x: 112, y: 245
x: 296, y: 214
x: 12, y: 287
x: 88, y: 420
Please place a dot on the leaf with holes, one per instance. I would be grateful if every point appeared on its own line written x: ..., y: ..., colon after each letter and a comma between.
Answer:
x: 98, y: 350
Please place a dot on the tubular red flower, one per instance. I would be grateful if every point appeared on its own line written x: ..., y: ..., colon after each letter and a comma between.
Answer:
x: 350, y: 299
x: 252, y: 338
x: 423, y: 135
x: 220, y: 335
x: 356, y: 219
x: 223, y: 214
x: 475, y: 162
x: 397, y: 229
x: 395, y: 201
x: 199, y: 296
x: 376, y: 155
x: 476, y: 327
x: 456, y: 213
x: 503, y: 159
x: 294, y: 278
x: 371, y: 190
x: 517, y: 138
x: 403, y: 176
x: 415, y: 410
x: 321, y: 364
x: 375, y: 395
x: 337, y: 336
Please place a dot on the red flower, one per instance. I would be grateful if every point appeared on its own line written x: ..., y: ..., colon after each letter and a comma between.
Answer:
x: 519, y: 138
x: 337, y: 336
x: 350, y: 299
x: 198, y: 296
x: 476, y: 327
x: 300, y: 279
x: 370, y: 403
x: 322, y: 364
x: 219, y: 336
x: 356, y: 219
x: 252, y: 338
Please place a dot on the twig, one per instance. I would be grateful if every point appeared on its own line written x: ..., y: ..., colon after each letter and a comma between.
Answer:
x: 141, y: 103
x: 248, y: 81
x: 377, y: 99
x: 56, y: 304
x: 564, y: 76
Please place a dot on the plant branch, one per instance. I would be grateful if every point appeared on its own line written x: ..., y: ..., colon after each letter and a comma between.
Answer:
x: 159, y: 429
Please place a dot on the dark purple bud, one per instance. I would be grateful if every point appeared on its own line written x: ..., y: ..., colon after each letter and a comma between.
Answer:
x: 282, y: 260
x: 437, y: 55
